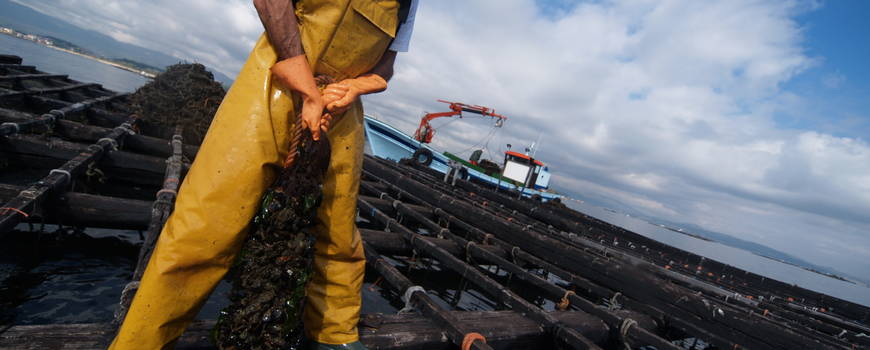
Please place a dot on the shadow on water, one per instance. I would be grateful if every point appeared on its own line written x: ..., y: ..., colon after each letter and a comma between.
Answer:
x: 73, y: 276
x: 61, y: 276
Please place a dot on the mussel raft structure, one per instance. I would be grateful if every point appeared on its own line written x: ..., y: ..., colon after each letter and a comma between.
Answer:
x: 552, y: 283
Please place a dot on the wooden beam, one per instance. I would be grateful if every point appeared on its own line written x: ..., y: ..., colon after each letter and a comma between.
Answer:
x: 89, y: 210
x: 502, y: 329
x: 53, y: 147
x: 555, y: 292
x: 569, y: 336
x: 10, y: 59
x: 46, y: 91
x: 75, y: 131
x: 57, y: 180
x: 730, y: 325
x: 37, y: 76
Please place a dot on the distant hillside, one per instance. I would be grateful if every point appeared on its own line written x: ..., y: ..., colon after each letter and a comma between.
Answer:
x: 27, y: 20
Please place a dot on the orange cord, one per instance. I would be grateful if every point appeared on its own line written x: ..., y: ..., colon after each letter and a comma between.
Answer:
x: 564, y: 303
x: 373, y: 285
x: 470, y: 338
x: 19, y: 211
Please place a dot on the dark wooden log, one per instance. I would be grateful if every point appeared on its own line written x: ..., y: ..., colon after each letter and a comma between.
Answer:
x: 164, y: 203
x: 38, y: 76
x: 10, y: 59
x: 48, y: 119
x: 569, y: 336
x: 635, y: 334
x: 82, y: 209
x: 391, y: 243
x: 160, y: 211
x: 116, y: 179
x: 729, y: 325
x: 789, y: 320
x: 420, y: 300
x: 574, y: 221
x: 94, y: 115
x: 502, y: 329
x: 387, y: 205
x: 58, y: 179
x: 47, y: 91
x: 17, y: 67
x: 797, y: 330
x: 75, y: 131
x: 53, y: 147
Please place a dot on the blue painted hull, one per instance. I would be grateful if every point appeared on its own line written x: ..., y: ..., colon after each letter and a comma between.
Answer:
x: 388, y: 142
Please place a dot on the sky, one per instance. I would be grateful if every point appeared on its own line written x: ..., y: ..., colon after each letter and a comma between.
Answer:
x: 746, y: 117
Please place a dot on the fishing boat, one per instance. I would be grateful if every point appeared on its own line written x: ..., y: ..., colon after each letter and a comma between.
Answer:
x: 518, y: 171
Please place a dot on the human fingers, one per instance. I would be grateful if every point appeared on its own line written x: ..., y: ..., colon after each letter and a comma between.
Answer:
x: 325, y: 121
x: 311, y: 114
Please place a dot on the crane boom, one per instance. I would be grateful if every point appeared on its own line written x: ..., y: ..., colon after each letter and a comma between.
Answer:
x: 425, y: 132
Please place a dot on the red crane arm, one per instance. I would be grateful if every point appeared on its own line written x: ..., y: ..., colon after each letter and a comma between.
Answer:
x: 425, y: 132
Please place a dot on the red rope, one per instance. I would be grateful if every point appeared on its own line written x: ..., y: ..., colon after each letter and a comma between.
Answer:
x: 470, y: 338
x: 322, y: 81
x: 19, y: 211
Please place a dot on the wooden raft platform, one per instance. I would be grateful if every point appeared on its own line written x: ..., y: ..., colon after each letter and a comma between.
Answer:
x: 588, y: 292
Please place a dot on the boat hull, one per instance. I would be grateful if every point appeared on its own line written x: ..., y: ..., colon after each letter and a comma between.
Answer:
x: 388, y: 142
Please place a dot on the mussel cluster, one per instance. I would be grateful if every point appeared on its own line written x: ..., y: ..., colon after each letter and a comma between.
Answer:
x: 274, y: 265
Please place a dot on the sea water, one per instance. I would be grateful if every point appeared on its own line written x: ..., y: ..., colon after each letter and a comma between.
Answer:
x: 77, y: 67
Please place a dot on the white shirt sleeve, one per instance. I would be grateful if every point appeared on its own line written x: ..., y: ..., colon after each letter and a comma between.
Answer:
x: 403, y: 36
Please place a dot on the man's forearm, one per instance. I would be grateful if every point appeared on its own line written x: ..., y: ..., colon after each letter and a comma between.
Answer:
x: 279, y: 19
x: 384, y: 67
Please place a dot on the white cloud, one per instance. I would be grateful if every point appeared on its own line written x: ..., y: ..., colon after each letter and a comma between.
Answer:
x: 217, y: 33
x: 666, y: 105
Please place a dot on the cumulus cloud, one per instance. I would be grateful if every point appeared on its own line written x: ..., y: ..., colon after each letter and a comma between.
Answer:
x: 668, y: 106
x: 217, y: 33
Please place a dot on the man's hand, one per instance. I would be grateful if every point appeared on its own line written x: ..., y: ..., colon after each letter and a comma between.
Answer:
x: 295, y: 73
x: 338, y: 97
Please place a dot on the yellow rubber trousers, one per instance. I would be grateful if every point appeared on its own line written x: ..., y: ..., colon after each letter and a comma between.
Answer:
x: 239, y: 158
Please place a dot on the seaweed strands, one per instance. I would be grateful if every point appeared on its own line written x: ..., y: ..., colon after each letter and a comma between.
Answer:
x: 274, y: 265
x: 185, y: 94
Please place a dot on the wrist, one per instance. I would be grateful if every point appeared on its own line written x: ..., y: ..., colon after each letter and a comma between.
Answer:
x: 295, y: 74
x: 367, y: 84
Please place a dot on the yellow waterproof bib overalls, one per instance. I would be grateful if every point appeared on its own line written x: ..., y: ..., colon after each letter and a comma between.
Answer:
x: 239, y: 159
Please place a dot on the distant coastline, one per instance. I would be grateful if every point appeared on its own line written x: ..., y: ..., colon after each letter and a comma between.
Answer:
x: 784, y: 261
x: 65, y: 46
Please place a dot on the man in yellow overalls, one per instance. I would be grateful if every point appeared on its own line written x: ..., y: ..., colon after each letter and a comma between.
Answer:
x: 348, y: 40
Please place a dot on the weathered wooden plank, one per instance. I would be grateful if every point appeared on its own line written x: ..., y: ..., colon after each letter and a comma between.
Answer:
x: 57, y: 179
x: 75, y: 131
x: 569, y: 336
x: 555, y: 292
x: 636, y: 283
x: 46, y: 91
x: 53, y: 147
x: 422, y: 301
x: 10, y: 59
x: 17, y: 67
x: 502, y: 329
x: 89, y: 210
x: 94, y: 115
x: 391, y: 243
x: 38, y: 76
